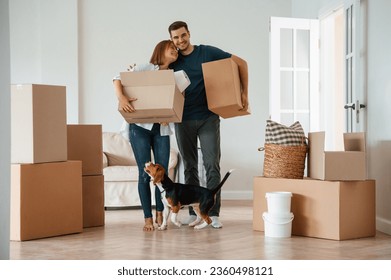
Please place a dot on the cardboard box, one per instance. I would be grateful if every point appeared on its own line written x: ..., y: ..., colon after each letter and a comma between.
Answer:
x: 337, y: 210
x: 222, y: 85
x: 38, y: 123
x: 46, y: 200
x: 93, y: 201
x: 337, y: 165
x: 158, y: 97
x: 85, y: 144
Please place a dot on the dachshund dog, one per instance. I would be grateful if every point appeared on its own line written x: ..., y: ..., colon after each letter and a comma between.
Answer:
x: 178, y: 195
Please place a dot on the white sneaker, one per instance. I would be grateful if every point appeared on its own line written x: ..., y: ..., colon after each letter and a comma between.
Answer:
x: 188, y: 219
x: 216, y: 222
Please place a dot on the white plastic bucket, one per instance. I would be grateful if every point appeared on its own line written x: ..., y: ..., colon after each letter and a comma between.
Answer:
x: 279, y: 203
x: 278, y: 225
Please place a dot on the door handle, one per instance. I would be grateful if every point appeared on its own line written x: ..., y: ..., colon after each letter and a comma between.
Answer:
x: 353, y: 106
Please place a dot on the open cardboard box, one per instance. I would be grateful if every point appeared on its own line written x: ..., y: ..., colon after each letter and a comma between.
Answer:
x: 337, y: 210
x: 222, y: 85
x: 159, y: 96
x: 337, y: 165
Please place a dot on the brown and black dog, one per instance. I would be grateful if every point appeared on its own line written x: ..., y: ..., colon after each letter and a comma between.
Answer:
x: 178, y: 195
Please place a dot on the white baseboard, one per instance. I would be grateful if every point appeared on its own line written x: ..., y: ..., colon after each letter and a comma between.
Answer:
x: 383, y: 225
x: 237, y: 195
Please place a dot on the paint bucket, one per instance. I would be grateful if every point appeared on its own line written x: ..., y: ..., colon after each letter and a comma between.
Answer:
x: 278, y: 203
x: 278, y: 225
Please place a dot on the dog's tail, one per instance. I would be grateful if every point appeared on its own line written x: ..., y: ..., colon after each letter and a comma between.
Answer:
x: 215, y: 190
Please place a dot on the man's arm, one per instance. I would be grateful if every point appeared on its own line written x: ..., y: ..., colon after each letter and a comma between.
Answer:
x: 243, y: 75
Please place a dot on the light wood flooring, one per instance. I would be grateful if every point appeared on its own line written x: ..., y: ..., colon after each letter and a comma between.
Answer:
x: 122, y: 238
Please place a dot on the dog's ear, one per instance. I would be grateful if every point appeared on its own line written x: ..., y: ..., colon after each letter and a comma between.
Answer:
x: 159, y: 175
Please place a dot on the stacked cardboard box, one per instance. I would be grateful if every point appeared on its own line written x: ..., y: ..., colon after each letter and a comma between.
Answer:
x: 335, y: 202
x: 85, y: 144
x: 46, y: 188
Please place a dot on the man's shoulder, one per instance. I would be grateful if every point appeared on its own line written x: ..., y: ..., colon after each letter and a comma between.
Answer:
x: 213, y: 53
x: 205, y: 47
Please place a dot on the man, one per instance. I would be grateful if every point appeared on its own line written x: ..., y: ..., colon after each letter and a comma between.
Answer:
x: 198, y: 123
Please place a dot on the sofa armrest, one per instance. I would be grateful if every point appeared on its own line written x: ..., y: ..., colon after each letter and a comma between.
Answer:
x: 105, y: 161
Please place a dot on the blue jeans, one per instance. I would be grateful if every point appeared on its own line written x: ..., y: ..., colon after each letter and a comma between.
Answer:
x: 208, y: 132
x: 143, y: 141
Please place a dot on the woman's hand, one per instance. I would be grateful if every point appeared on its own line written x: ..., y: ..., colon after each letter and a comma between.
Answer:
x: 125, y: 104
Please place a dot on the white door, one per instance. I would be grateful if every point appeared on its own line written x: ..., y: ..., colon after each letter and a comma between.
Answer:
x: 336, y: 104
x: 294, y: 72
x: 355, y: 65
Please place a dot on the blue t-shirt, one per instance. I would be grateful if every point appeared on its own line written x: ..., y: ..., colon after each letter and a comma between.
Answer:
x: 196, y: 106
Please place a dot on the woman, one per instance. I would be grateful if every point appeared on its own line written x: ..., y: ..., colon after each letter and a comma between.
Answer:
x: 151, y: 136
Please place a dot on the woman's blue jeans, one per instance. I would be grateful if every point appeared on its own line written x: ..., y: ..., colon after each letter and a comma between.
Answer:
x: 143, y: 141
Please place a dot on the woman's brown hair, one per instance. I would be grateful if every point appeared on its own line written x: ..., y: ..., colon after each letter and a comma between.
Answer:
x: 158, y: 53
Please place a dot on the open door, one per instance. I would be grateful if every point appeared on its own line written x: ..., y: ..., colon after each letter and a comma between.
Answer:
x: 294, y: 72
x: 323, y: 88
x: 355, y: 65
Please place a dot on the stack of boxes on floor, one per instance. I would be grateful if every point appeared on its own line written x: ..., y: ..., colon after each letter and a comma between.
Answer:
x: 46, y: 187
x: 336, y: 201
x: 85, y: 144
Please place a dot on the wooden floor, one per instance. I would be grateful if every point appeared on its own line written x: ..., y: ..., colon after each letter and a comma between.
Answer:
x: 122, y: 238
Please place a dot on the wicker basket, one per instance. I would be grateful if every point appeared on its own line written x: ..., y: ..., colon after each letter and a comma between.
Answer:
x: 284, y: 161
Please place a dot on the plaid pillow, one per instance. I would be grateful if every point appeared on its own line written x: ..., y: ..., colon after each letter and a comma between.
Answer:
x: 280, y: 134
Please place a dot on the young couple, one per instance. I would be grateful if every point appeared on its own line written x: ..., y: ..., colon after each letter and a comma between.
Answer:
x: 198, y: 123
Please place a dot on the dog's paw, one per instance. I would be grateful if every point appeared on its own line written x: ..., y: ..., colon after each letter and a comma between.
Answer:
x: 197, y: 221
x: 201, y: 226
x: 178, y: 224
x: 162, y: 227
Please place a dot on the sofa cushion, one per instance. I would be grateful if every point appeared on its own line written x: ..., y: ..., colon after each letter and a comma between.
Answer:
x: 117, y: 149
x: 120, y: 173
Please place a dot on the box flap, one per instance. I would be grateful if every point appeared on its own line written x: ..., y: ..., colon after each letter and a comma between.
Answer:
x: 147, y: 78
x: 316, y: 154
x: 354, y: 141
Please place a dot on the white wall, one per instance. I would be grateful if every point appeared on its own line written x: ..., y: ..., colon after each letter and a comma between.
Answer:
x: 99, y: 38
x: 44, y: 46
x: 5, y: 120
x: 379, y: 97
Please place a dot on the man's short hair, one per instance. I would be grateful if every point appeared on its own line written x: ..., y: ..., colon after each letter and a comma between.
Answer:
x: 176, y: 25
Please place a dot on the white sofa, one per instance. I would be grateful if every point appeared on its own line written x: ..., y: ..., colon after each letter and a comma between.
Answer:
x: 121, y: 173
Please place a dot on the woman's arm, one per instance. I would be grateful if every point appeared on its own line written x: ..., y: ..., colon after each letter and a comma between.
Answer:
x: 124, y: 101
